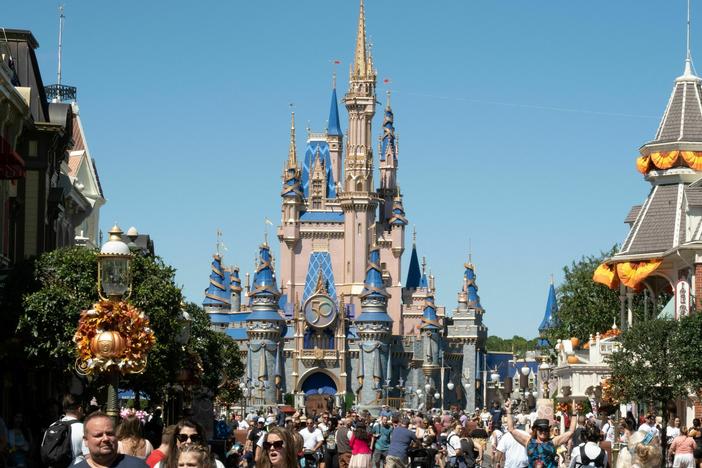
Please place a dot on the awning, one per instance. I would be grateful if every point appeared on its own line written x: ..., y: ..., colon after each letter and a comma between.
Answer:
x: 11, y: 164
x: 630, y: 274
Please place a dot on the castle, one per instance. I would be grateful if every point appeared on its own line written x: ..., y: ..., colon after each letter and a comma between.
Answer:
x: 336, y: 322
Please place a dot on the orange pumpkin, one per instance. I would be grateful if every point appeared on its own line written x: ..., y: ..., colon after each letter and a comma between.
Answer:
x: 108, y: 344
x: 573, y: 359
x: 575, y: 342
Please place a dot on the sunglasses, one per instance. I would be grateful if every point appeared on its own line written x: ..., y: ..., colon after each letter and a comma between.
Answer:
x: 194, y: 438
x: 542, y: 429
x: 278, y: 444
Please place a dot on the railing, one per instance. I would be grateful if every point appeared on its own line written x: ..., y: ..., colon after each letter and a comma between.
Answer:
x: 396, y: 403
x: 608, y: 347
x: 318, y: 354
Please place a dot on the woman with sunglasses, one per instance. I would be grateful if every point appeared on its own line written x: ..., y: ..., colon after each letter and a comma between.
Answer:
x: 278, y: 449
x: 187, y: 432
x: 541, y: 448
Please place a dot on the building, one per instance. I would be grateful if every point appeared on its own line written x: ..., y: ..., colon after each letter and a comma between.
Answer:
x: 336, y: 323
x: 660, y: 259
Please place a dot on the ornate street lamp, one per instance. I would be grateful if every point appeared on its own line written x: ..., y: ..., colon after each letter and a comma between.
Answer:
x: 545, y: 375
x: 450, y: 385
x: 113, y: 267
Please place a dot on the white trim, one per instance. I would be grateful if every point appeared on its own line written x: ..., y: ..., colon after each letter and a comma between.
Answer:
x: 697, y: 96
x: 639, y: 220
x: 678, y: 212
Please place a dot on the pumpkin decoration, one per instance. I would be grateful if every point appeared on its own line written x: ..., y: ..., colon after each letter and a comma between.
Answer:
x: 107, y: 344
x: 575, y: 342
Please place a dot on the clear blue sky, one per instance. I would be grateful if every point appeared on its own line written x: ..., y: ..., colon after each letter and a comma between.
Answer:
x: 519, y: 121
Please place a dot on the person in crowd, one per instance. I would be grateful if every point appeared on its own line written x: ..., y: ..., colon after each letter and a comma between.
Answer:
x: 73, y: 415
x: 469, y: 456
x: 541, y: 449
x: 496, y: 414
x: 696, y: 434
x: 382, y: 430
x: 343, y: 449
x: 649, y: 425
x: 186, y: 432
x: 485, y: 417
x: 130, y: 439
x: 251, y: 451
x: 589, y: 452
x: 360, y: 447
x: 454, y: 454
x: 495, y: 436
x: 400, y: 441
x: 312, y: 439
x: 509, y: 453
x: 279, y: 450
x: 643, y: 450
x: 682, y: 449
x: 195, y: 456
x: 101, y: 440
x: 672, y: 430
x: 579, y: 433
x: 153, y: 428
x: 164, y: 449
x: 19, y: 442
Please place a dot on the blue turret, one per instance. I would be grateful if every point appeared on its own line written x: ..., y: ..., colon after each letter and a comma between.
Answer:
x: 334, y: 129
x: 235, y: 288
x: 374, y: 298
x: 398, y: 215
x: 550, y: 319
x: 430, y: 321
x: 217, y: 294
x: 471, y: 286
x: 388, y: 148
x: 264, y: 291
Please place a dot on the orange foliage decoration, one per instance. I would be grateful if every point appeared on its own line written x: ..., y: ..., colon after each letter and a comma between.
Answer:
x: 693, y: 159
x: 632, y: 273
x: 606, y: 274
x: 124, y: 319
x: 665, y: 160
x: 643, y: 163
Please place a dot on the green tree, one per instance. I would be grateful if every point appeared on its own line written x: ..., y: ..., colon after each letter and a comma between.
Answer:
x: 66, y: 285
x: 659, y: 361
x: 516, y: 344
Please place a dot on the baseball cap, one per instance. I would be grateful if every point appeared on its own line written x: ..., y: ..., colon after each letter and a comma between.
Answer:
x: 261, y: 420
x: 270, y: 420
x: 303, y: 419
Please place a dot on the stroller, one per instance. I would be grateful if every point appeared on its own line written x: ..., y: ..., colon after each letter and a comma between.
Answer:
x: 421, y: 457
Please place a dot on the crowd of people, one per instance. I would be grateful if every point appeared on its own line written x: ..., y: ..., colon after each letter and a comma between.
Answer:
x: 393, y: 439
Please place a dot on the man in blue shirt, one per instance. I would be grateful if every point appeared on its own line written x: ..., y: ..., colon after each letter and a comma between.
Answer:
x: 381, y: 441
x: 400, y: 441
x: 496, y: 413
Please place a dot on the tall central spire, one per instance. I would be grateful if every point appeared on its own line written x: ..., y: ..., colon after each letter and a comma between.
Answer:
x: 362, y: 62
x: 292, y: 152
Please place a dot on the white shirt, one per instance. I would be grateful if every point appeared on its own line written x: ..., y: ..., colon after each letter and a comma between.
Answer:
x: 592, y: 450
x: 453, y: 443
x: 78, y: 446
x: 514, y: 452
x: 672, y: 432
x: 311, y: 438
x: 646, y: 428
x: 242, y: 425
x: 608, y: 431
x: 485, y: 417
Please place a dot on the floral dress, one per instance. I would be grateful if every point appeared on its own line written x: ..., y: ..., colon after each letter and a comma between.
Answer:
x: 542, y: 454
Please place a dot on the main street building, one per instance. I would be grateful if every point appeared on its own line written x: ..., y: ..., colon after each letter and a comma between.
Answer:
x: 335, y: 322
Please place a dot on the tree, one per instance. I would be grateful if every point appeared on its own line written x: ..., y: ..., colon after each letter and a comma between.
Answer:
x: 66, y: 285
x: 516, y: 344
x: 659, y: 361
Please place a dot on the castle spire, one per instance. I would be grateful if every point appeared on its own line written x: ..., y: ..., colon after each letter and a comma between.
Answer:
x: 550, y: 319
x: 264, y: 292
x: 333, y: 127
x: 414, y: 274
x: 362, y: 62
x: 292, y: 152
x: 374, y: 297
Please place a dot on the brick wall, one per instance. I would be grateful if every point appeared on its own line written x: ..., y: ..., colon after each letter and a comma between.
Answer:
x: 698, y: 287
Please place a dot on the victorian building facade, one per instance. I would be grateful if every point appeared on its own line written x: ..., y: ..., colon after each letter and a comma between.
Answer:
x: 336, y: 320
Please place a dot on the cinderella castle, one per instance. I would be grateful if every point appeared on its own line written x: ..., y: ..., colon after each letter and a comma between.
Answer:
x: 336, y: 323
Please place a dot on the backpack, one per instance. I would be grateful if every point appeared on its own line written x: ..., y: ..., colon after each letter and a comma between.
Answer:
x: 587, y: 461
x: 56, y: 447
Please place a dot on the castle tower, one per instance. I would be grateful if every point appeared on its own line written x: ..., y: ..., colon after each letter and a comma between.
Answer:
x: 467, y: 333
x: 265, y: 328
x: 550, y: 319
x: 235, y: 288
x: 358, y: 199
x: 218, y: 294
x: 374, y: 326
x: 335, y: 137
x: 388, y: 164
x: 292, y: 204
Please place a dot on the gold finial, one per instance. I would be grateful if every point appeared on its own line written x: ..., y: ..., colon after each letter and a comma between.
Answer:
x: 321, y: 284
x: 360, y: 63
x: 292, y: 152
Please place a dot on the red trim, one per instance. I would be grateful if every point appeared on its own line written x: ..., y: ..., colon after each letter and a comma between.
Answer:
x: 11, y: 163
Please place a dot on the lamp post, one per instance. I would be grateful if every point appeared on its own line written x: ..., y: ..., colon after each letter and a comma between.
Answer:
x: 387, y: 388
x: 113, y: 285
x: 545, y: 375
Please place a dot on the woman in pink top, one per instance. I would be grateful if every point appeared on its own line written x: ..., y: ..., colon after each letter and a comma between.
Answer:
x: 360, y: 448
x: 682, y: 448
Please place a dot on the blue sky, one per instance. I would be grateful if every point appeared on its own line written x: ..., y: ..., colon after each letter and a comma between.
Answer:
x: 518, y: 122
